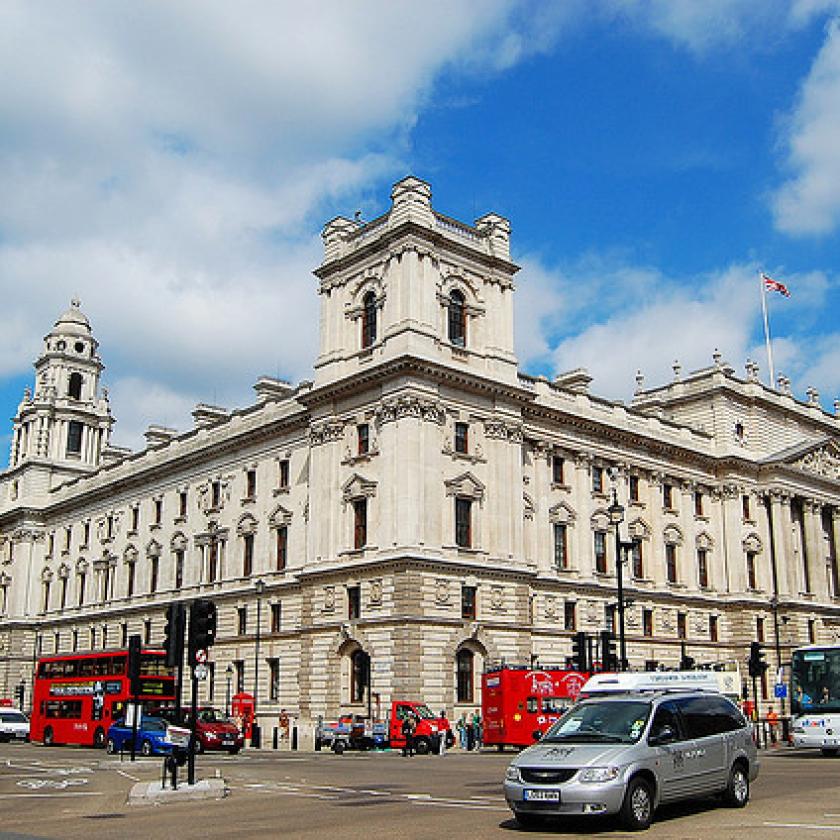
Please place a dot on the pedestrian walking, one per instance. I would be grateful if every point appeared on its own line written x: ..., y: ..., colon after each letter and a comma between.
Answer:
x: 477, y: 733
x: 408, y: 729
x: 773, y: 726
x: 442, y: 734
x: 461, y: 727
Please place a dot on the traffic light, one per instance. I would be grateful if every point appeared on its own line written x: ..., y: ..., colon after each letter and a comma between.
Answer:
x: 173, y: 635
x: 609, y: 661
x: 756, y: 663
x: 580, y: 660
x: 686, y: 662
x: 20, y: 693
x: 134, y: 645
x: 202, y: 626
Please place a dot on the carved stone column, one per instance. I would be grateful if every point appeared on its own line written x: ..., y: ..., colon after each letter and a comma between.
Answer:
x: 786, y: 572
x: 814, y: 550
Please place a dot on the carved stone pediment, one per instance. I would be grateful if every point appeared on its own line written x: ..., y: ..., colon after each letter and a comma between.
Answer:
x: 823, y: 461
x: 465, y: 485
x: 358, y: 487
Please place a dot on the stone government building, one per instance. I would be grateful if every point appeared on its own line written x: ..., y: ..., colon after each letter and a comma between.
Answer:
x: 421, y: 508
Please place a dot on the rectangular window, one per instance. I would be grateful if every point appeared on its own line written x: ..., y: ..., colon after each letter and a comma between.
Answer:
x: 463, y: 524
x: 751, y: 581
x: 462, y: 431
x: 671, y: 562
x: 216, y: 494
x: 713, y: 628
x: 276, y: 618
x: 647, y: 622
x: 600, y: 543
x: 131, y: 572
x: 282, y: 547
x: 64, y: 583
x: 468, y: 602
x: 82, y: 582
x: 682, y: 626
x: 638, y: 560
x: 634, y: 488
x: 74, y: 438
x: 284, y: 473
x: 158, y: 511
x: 702, y: 568
x: 241, y: 621
x: 745, y: 506
x: 135, y: 517
x: 182, y: 504
x: 68, y: 536
x: 812, y: 632
x: 123, y: 635
x: 153, y: 577
x: 698, y: 504
x: 354, y: 602
x: 561, y: 547
x: 110, y: 526
x: 597, y: 480
x: 76, y: 641
x: 179, y: 568
x: 104, y: 635
x: 147, y: 631
x: 239, y: 668
x: 212, y: 561
x: 273, y: 679
x: 247, y: 555
x: 86, y: 534
x: 251, y: 484
x: 557, y: 470
x: 569, y: 615
x: 668, y: 496
x: 759, y: 629
x: 363, y: 438
x: 359, y: 523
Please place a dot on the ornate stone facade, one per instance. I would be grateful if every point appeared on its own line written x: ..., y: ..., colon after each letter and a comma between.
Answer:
x: 422, y: 507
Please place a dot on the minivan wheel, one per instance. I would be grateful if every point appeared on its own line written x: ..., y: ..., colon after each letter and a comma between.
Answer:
x: 737, y: 792
x: 637, y: 808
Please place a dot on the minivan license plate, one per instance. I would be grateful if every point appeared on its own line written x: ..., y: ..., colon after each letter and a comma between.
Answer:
x: 541, y: 795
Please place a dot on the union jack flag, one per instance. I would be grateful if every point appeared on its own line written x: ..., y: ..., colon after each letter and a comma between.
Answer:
x: 774, y: 285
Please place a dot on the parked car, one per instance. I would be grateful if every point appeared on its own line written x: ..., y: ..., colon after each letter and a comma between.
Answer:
x: 625, y: 753
x: 14, y: 725
x: 214, y: 730
x: 155, y: 736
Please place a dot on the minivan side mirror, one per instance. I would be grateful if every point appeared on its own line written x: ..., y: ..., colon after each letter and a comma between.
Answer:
x: 663, y: 736
x: 536, y: 735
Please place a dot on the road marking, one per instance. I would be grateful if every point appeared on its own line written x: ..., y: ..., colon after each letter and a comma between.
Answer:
x: 813, y: 826
x: 468, y: 806
x: 55, y: 784
x: 51, y: 795
x: 128, y: 776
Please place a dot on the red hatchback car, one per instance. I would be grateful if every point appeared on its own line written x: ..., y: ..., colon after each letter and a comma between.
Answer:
x: 214, y: 730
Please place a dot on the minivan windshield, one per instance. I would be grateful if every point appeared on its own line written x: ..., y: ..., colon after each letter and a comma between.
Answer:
x: 601, y: 721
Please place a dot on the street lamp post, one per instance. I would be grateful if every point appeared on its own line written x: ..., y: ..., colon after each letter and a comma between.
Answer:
x: 616, y: 514
x: 229, y: 676
x: 255, y: 727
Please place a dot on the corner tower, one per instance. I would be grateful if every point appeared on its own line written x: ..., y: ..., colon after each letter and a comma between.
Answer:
x: 62, y: 427
x: 416, y: 282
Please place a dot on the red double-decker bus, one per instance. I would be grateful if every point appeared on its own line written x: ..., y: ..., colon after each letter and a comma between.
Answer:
x: 77, y: 697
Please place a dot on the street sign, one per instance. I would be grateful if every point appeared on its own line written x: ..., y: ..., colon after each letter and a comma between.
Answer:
x: 200, y: 672
x: 780, y: 690
x: 201, y: 656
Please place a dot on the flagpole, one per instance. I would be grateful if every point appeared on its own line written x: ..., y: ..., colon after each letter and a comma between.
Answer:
x: 767, y: 329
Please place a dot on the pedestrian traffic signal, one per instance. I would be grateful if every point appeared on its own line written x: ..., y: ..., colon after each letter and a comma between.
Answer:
x: 757, y: 665
x: 580, y: 658
x: 202, y: 626
x: 134, y: 644
x: 173, y: 635
x: 609, y: 661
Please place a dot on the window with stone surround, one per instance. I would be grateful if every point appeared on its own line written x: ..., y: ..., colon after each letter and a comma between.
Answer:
x: 570, y: 615
x: 241, y: 621
x: 276, y: 617
x: 638, y: 563
x: 360, y: 523
x: 74, y: 438
x: 600, y: 549
x: 359, y: 675
x: 671, y: 562
x: 284, y: 473
x: 557, y: 470
x: 698, y: 503
x: 668, y: 496
x: 251, y: 484
x: 463, y: 522
x: 273, y: 678
x: 682, y: 626
x: 465, y: 674
x: 633, y: 488
x: 713, y: 628
x: 468, y: 602
x: 354, y: 602
x: 247, y: 555
x: 368, y: 320
x: 597, y: 474
x: 647, y: 623
x: 751, y: 577
x: 363, y: 439
x: 561, y: 545
x: 457, y: 318
x: 462, y: 439
x: 703, y: 568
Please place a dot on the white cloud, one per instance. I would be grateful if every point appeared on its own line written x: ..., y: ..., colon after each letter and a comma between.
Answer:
x: 809, y: 203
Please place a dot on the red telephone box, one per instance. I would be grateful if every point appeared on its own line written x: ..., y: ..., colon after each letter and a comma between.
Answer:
x: 242, y: 711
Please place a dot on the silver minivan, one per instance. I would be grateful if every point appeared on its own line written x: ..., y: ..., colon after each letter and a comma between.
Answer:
x: 628, y: 753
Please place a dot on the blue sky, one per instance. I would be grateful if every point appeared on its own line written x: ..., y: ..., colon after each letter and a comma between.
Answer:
x: 172, y: 165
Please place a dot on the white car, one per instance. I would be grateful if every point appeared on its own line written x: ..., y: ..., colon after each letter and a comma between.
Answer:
x: 14, y: 725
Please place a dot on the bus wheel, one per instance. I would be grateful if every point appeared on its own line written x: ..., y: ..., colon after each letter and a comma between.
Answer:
x: 99, y: 738
x: 49, y: 738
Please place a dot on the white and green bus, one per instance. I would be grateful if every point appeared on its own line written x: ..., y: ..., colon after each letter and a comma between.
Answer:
x: 815, y: 697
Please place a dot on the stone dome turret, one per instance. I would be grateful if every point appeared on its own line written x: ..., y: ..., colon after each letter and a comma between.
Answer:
x: 72, y: 322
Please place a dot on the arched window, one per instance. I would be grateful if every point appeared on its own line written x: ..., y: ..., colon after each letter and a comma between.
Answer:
x: 359, y: 675
x: 457, y: 319
x: 369, y: 319
x: 464, y: 667
x: 74, y: 388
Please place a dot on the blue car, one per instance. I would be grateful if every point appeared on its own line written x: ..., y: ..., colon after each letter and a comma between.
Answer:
x: 152, y: 737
